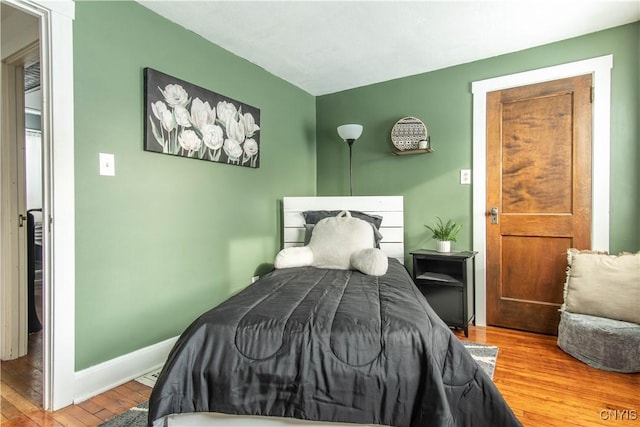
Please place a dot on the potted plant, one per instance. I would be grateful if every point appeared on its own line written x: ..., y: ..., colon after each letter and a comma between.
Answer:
x: 444, y: 233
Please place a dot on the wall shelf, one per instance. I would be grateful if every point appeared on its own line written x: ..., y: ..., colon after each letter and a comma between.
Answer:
x: 414, y: 151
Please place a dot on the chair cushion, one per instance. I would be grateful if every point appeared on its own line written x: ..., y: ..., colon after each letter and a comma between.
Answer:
x: 603, y: 285
x: 602, y: 343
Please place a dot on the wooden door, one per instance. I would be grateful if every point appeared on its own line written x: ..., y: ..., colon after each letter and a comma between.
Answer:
x: 13, y: 249
x: 539, y: 179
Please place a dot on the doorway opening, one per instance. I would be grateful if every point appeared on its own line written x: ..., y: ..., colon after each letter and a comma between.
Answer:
x: 54, y: 28
x: 23, y: 196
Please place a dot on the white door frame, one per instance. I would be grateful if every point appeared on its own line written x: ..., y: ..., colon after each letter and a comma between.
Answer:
x: 600, y: 68
x: 58, y: 224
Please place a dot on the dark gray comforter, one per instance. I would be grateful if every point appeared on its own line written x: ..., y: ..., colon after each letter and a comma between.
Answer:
x: 329, y: 345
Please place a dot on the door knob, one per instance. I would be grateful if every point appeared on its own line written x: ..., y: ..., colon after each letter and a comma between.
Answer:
x: 494, y: 215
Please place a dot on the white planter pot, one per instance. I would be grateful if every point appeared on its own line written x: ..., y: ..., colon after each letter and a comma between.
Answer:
x: 443, y: 246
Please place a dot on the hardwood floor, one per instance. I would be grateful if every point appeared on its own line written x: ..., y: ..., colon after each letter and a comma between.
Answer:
x: 543, y: 385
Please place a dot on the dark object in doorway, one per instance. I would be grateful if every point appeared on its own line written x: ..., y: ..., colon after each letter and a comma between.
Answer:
x: 33, y: 255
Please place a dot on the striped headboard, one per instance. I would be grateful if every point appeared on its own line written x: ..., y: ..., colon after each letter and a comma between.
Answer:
x: 391, y: 208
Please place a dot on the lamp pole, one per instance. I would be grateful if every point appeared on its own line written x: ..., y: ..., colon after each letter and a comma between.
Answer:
x: 350, y: 142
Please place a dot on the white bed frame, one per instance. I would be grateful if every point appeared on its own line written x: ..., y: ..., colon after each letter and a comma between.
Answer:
x: 391, y: 208
x: 392, y: 229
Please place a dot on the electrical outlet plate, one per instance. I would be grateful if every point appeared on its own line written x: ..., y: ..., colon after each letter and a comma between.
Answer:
x: 465, y: 176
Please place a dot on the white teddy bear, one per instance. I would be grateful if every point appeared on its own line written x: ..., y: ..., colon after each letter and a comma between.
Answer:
x: 341, y: 242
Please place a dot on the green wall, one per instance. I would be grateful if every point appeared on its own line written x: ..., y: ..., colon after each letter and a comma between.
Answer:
x: 443, y: 100
x: 167, y: 238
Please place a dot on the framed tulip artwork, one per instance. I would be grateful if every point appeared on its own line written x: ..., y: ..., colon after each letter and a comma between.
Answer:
x: 182, y: 119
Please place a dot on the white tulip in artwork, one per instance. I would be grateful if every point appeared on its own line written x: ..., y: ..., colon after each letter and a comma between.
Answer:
x: 202, y: 114
x: 250, y: 126
x: 250, y: 147
x: 182, y: 116
x: 232, y: 149
x: 212, y: 136
x: 226, y: 112
x: 189, y: 140
x: 235, y: 131
x: 175, y: 95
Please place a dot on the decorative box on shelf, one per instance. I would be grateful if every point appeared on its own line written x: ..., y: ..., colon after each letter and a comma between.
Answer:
x: 447, y: 280
x: 409, y: 136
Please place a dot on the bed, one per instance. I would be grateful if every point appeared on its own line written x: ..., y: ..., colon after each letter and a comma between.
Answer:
x: 322, y: 346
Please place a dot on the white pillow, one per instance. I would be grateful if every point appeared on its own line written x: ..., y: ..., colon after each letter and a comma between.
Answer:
x: 335, y: 239
x: 372, y: 261
x: 300, y: 256
x: 603, y: 285
x: 339, y: 242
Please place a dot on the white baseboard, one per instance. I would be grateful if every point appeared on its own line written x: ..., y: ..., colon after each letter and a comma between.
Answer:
x: 112, y: 373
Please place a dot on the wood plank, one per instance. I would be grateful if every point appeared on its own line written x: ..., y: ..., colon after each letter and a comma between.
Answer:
x: 9, y: 410
x: 21, y: 422
x: 90, y: 406
x: 359, y: 203
x: 137, y: 390
x: 83, y: 417
x: 389, y: 218
x: 15, y: 401
x: 105, y: 414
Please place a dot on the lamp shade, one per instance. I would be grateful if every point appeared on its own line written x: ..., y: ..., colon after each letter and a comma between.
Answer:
x: 350, y: 131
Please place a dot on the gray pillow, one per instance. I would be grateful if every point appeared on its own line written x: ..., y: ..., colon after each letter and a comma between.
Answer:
x: 313, y: 217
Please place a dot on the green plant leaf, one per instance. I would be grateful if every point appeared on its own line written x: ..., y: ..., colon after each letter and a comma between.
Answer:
x: 444, y: 231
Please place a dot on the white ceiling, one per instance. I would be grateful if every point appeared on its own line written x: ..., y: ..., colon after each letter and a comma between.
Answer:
x: 329, y: 46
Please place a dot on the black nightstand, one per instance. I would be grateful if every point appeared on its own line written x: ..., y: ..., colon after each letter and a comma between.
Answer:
x: 447, y: 280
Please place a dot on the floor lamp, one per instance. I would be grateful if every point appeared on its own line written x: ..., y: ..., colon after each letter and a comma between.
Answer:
x: 350, y: 133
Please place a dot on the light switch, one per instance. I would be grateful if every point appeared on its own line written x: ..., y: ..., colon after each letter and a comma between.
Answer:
x: 107, y: 164
x: 465, y: 176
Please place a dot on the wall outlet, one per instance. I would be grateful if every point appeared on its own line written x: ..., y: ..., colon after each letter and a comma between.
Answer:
x: 107, y: 164
x: 465, y: 176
